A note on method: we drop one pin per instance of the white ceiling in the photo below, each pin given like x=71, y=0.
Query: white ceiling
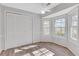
x=61, y=12
x=32, y=7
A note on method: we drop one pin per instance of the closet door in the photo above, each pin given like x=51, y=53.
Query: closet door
x=18, y=30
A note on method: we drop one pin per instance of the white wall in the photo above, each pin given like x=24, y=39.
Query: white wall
x=36, y=28
x=0, y=29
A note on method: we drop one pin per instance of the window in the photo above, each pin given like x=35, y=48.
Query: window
x=74, y=27
x=60, y=27
x=46, y=26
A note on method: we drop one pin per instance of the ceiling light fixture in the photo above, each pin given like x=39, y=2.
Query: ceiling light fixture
x=43, y=12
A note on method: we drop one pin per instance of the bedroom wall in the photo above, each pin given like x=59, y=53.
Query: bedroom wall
x=35, y=24
x=0, y=29
x=36, y=28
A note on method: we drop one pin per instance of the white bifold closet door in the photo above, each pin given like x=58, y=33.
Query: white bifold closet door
x=18, y=30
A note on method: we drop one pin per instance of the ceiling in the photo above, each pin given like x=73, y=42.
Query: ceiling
x=32, y=7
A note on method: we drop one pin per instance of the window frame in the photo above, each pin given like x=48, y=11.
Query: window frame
x=73, y=27
x=60, y=17
x=48, y=29
x=72, y=13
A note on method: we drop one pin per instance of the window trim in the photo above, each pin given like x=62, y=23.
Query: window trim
x=73, y=26
x=53, y=25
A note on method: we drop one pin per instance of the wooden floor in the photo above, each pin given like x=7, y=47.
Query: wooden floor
x=38, y=49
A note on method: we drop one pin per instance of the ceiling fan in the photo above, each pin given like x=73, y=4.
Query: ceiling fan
x=48, y=4
x=45, y=5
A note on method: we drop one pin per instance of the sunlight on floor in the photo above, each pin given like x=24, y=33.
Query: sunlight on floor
x=17, y=50
x=43, y=52
x=28, y=47
x=37, y=53
x=28, y=54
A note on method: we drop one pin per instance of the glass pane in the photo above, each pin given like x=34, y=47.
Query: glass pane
x=74, y=27
x=60, y=26
x=46, y=22
x=74, y=32
x=59, y=31
x=75, y=20
x=46, y=31
x=46, y=27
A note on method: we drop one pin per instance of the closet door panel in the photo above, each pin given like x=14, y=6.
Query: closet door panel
x=19, y=30
x=23, y=29
x=10, y=30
